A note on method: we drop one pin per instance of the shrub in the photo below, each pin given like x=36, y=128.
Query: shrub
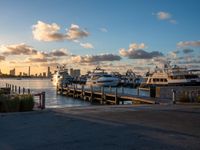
x=16, y=103
x=26, y=102
x=9, y=104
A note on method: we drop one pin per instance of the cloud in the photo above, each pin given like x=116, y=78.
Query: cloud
x=47, y=32
x=2, y=58
x=188, y=43
x=59, y=53
x=135, y=51
x=75, y=32
x=50, y=32
x=161, y=15
x=87, y=45
x=95, y=58
x=103, y=30
x=186, y=51
x=37, y=60
x=17, y=49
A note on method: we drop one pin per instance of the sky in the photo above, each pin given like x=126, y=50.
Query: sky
x=113, y=34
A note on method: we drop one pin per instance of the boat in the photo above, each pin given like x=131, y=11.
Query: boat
x=61, y=77
x=129, y=79
x=98, y=77
x=171, y=76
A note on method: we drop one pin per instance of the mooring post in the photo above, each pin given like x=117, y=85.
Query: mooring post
x=19, y=90
x=138, y=91
x=12, y=88
x=91, y=96
x=102, y=94
x=82, y=90
x=43, y=100
x=23, y=90
x=116, y=98
x=173, y=96
x=29, y=92
x=15, y=89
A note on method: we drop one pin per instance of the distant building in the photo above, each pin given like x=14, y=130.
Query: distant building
x=44, y=74
x=12, y=72
x=25, y=74
x=0, y=72
x=48, y=72
x=20, y=74
x=75, y=72
x=29, y=71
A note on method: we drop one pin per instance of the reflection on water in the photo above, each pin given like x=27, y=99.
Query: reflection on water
x=39, y=85
x=52, y=99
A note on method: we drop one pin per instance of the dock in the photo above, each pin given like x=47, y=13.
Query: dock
x=103, y=96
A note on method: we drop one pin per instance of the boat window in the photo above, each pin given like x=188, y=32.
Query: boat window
x=161, y=80
x=154, y=80
x=107, y=75
x=165, y=80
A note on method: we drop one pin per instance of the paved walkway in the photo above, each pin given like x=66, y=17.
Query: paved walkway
x=103, y=128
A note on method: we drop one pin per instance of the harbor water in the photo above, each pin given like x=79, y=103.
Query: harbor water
x=53, y=100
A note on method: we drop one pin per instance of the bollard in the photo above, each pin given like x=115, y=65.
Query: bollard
x=173, y=96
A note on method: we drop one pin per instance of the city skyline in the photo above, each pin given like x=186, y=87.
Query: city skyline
x=116, y=35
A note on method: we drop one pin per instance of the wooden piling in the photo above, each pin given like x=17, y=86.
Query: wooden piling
x=116, y=98
x=19, y=90
x=102, y=95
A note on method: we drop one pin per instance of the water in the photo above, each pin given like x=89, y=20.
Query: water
x=39, y=85
x=53, y=100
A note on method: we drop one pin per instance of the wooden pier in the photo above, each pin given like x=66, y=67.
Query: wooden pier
x=103, y=96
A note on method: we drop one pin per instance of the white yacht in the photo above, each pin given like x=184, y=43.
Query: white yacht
x=171, y=75
x=100, y=78
x=61, y=77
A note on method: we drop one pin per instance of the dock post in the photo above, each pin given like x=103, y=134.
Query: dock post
x=173, y=96
x=91, y=96
x=19, y=90
x=138, y=91
x=82, y=91
x=102, y=95
x=43, y=101
x=15, y=89
x=116, y=98
x=74, y=91
x=12, y=88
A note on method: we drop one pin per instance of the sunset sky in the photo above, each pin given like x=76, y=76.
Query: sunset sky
x=114, y=34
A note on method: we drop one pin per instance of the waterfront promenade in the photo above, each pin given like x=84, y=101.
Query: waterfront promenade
x=119, y=127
